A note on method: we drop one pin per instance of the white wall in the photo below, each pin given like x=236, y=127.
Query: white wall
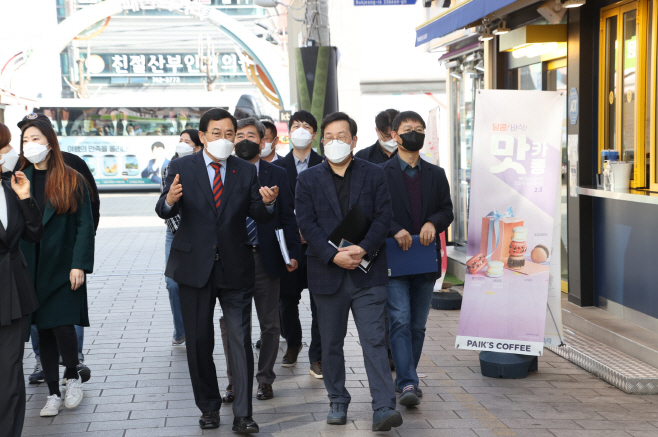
x=376, y=43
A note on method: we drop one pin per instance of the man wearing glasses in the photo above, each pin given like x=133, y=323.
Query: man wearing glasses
x=210, y=260
x=421, y=206
x=324, y=196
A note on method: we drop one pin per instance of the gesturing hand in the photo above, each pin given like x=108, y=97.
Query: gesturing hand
x=427, y=233
x=21, y=185
x=404, y=239
x=269, y=194
x=77, y=278
x=175, y=191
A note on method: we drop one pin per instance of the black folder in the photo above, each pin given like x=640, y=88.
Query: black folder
x=352, y=230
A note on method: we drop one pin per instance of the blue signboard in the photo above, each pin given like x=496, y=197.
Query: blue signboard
x=383, y=2
x=573, y=106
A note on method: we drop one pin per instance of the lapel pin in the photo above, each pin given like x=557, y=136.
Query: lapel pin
x=233, y=171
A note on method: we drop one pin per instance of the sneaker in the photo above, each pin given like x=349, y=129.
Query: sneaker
x=37, y=376
x=180, y=342
x=229, y=395
x=419, y=392
x=409, y=396
x=74, y=393
x=290, y=358
x=316, y=369
x=54, y=405
x=384, y=419
x=337, y=414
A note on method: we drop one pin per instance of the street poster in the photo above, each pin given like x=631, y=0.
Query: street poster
x=515, y=169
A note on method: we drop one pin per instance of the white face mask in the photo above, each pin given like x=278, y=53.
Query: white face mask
x=267, y=150
x=184, y=149
x=220, y=149
x=390, y=145
x=336, y=151
x=9, y=160
x=301, y=138
x=35, y=152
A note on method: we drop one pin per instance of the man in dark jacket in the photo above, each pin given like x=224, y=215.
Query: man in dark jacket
x=420, y=195
x=385, y=147
x=324, y=196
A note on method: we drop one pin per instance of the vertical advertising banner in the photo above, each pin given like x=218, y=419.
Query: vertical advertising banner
x=515, y=170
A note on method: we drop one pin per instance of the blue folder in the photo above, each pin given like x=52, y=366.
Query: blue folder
x=418, y=259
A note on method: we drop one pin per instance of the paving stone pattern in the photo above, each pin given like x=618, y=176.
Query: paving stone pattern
x=140, y=384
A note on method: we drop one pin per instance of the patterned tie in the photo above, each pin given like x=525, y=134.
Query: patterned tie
x=251, y=230
x=217, y=186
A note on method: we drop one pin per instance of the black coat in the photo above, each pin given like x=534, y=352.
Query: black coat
x=288, y=163
x=203, y=231
x=374, y=154
x=319, y=212
x=284, y=218
x=17, y=296
x=437, y=205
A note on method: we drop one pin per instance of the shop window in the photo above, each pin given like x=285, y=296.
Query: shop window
x=627, y=58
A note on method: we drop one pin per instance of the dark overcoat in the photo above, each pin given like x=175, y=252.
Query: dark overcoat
x=67, y=243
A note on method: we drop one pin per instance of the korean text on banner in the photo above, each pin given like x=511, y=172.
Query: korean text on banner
x=515, y=171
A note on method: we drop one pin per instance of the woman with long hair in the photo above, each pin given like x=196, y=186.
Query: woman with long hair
x=19, y=218
x=59, y=262
x=189, y=144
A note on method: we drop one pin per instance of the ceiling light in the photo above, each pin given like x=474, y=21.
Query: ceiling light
x=455, y=74
x=573, y=3
x=452, y=64
x=486, y=35
x=479, y=66
x=470, y=71
x=502, y=29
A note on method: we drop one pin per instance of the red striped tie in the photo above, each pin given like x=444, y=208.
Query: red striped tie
x=217, y=186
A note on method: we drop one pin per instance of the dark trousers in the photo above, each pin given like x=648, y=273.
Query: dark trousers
x=266, y=298
x=53, y=343
x=198, y=309
x=12, y=383
x=292, y=285
x=367, y=305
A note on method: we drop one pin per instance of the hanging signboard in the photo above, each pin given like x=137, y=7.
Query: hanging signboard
x=515, y=171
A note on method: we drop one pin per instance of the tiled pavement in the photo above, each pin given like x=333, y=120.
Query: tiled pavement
x=140, y=385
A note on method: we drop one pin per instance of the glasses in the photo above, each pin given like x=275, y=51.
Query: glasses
x=343, y=138
x=407, y=129
x=219, y=134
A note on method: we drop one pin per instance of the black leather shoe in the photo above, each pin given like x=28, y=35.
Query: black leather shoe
x=245, y=425
x=229, y=395
x=265, y=391
x=209, y=420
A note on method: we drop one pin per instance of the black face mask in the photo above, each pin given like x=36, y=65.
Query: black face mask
x=413, y=141
x=247, y=150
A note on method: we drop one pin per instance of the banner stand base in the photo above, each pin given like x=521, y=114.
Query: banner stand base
x=447, y=300
x=507, y=366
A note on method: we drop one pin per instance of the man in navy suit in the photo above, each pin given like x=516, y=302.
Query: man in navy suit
x=267, y=255
x=211, y=258
x=324, y=196
x=421, y=206
x=303, y=129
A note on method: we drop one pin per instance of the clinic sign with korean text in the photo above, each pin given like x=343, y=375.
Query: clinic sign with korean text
x=514, y=180
x=136, y=64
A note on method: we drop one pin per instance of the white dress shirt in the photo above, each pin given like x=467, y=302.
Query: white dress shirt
x=300, y=164
x=3, y=207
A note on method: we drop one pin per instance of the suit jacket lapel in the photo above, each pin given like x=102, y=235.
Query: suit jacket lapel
x=356, y=182
x=426, y=184
x=48, y=213
x=229, y=182
x=291, y=169
x=398, y=183
x=314, y=159
x=327, y=183
x=201, y=173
